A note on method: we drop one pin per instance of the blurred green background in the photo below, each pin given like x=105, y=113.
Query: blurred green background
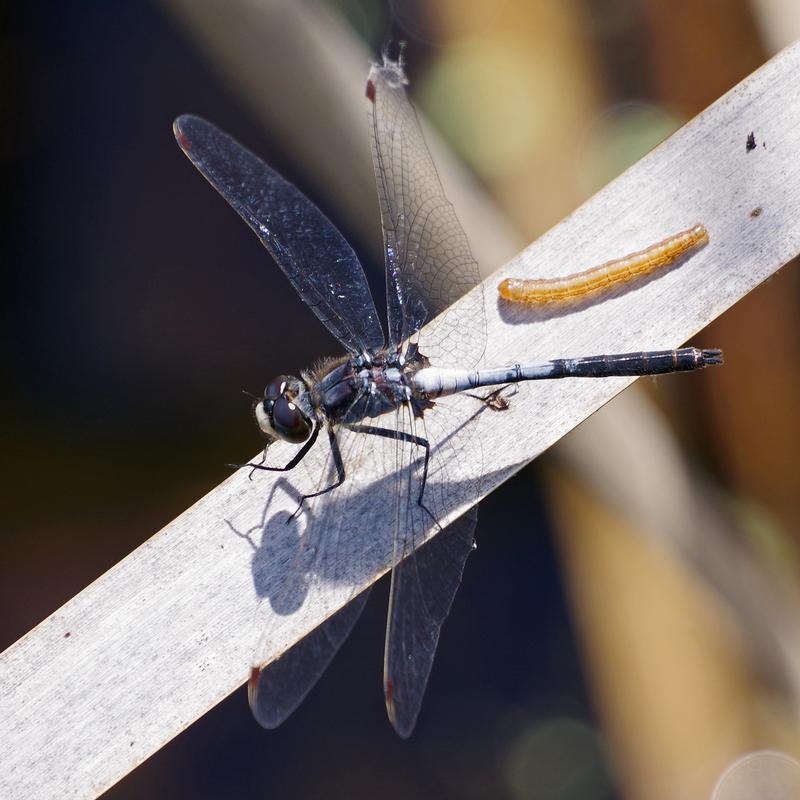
x=580, y=660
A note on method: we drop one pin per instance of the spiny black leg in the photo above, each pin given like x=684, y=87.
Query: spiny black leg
x=299, y=456
x=340, y=473
x=402, y=436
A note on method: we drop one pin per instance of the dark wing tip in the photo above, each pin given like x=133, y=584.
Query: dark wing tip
x=388, y=690
x=252, y=685
x=402, y=727
x=179, y=129
x=185, y=128
x=265, y=718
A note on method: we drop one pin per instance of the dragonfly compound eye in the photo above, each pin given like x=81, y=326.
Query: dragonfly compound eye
x=276, y=387
x=289, y=422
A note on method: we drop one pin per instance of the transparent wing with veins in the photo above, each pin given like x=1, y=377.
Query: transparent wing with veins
x=275, y=691
x=422, y=592
x=305, y=244
x=429, y=264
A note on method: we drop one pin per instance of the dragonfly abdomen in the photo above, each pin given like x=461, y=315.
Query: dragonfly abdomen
x=436, y=382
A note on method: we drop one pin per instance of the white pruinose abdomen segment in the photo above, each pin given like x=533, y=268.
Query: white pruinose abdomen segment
x=439, y=381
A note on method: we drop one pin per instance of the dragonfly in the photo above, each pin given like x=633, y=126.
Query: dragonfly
x=389, y=388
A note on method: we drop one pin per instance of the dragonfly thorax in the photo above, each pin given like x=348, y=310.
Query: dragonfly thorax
x=282, y=413
x=350, y=389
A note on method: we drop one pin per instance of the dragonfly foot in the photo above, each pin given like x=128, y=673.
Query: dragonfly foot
x=495, y=400
x=254, y=467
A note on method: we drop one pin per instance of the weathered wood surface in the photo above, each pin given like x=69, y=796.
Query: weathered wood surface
x=170, y=631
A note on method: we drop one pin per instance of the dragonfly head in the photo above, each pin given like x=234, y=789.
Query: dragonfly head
x=280, y=413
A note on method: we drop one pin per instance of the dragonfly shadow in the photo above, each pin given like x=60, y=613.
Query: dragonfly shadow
x=346, y=540
x=284, y=545
x=514, y=313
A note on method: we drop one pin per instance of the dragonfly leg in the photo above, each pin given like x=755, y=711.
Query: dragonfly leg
x=299, y=456
x=402, y=436
x=340, y=473
x=260, y=463
x=494, y=400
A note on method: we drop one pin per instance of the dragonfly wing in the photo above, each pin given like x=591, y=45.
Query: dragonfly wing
x=305, y=244
x=276, y=690
x=423, y=588
x=429, y=264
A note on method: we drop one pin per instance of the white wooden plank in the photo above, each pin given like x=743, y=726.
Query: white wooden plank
x=169, y=631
